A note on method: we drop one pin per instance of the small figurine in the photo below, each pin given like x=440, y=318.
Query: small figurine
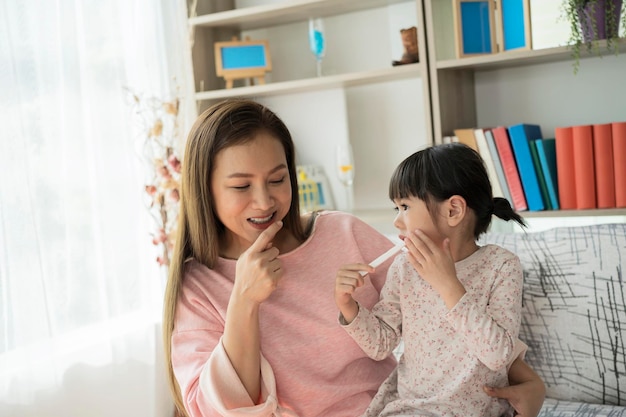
x=409, y=41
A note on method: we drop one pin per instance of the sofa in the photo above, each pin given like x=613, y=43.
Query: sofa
x=574, y=315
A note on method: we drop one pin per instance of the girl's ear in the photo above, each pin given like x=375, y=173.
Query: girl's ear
x=456, y=207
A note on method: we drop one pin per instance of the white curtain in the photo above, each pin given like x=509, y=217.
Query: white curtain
x=80, y=291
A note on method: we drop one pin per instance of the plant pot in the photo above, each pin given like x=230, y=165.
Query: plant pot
x=595, y=24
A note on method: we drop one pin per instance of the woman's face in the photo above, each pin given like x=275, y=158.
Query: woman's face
x=251, y=190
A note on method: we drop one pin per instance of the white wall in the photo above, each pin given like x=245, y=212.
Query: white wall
x=387, y=124
x=552, y=95
x=317, y=122
x=384, y=122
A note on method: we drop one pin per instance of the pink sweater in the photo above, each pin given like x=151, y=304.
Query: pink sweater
x=310, y=365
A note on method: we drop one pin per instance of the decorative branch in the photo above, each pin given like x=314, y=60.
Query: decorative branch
x=159, y=136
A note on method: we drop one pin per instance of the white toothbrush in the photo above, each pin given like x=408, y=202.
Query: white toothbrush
x=382, y=258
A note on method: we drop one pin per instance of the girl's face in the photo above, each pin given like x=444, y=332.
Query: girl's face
x=413, y=214
x=251, y=190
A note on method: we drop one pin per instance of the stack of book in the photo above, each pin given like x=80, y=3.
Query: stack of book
x=579, y=167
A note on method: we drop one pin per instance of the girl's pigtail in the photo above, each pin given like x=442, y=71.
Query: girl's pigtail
x=502, y=209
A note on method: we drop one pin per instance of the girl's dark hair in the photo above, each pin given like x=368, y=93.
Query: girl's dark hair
x=437, y=173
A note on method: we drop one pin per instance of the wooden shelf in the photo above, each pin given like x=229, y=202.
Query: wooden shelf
x=287, y=12
x=321, y=83
x=454, y=89
x=519, y=58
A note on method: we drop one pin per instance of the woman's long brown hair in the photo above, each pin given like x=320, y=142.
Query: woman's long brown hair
x=198, y=234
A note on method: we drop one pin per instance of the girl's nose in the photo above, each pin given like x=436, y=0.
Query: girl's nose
x=397, y=222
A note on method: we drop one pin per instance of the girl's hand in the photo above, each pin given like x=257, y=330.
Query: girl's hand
x=258, y=269
x=435, y=265
x=349, y=278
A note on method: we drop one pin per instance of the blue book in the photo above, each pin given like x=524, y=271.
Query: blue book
x=520, y=136
x=546, y=149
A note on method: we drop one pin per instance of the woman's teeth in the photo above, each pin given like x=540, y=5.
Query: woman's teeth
x=261, y=220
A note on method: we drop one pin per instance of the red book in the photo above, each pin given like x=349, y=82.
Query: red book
x=507, y=159
x=584, y=170
x=619, y=162
x=603, y=160
x=565, y=167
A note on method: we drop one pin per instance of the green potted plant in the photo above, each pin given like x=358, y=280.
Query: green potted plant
x=592, y=21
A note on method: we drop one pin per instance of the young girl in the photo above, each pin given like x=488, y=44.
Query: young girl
x=455, y=304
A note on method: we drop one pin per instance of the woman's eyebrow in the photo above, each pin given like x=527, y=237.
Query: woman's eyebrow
x=247, y=175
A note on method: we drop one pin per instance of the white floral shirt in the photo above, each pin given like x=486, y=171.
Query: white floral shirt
x=449, y=355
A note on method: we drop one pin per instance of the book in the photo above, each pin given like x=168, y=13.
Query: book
x=603, y=162
x=546, y=149
x=618, y=132
x=505, y=152
x=520, y=136
x=491, y=143
x=584, y=171
x=543, y=188
x=466, y=136
x=564, y=141
x=485, y=153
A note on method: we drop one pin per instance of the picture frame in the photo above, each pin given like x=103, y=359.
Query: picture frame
x=474, y=27
x=237, y=59
x=514, y=25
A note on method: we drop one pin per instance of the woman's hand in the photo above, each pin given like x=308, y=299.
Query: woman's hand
x=258, y=269
x=348, y=279
x=526, y=392
x=256, y=277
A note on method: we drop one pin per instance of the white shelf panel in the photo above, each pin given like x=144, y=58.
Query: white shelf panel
x=574, y=213
x=518, y=58
x=287, y=12
x=313, y=84
x=382, y=219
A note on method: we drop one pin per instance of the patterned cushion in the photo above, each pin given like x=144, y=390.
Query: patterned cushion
x=574, y=311
x=556, y=408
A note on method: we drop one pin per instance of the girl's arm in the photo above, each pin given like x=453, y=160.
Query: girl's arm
x=526, y=392
x=490, y=332
x=377, y=332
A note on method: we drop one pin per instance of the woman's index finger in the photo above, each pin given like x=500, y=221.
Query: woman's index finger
x=265, y=238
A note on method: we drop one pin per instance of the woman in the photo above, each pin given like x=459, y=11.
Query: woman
x=250, y=324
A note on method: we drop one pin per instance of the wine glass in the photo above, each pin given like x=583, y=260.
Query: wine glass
x=345, y=170
x=317, y=41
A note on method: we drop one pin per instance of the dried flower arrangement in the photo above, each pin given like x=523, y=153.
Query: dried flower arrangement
x=159, y=134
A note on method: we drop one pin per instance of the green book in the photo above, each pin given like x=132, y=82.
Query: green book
x=541, y=178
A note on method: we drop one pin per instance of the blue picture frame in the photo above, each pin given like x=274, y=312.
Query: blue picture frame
x=515, y=21
x=474, y=27
x=242, y=59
